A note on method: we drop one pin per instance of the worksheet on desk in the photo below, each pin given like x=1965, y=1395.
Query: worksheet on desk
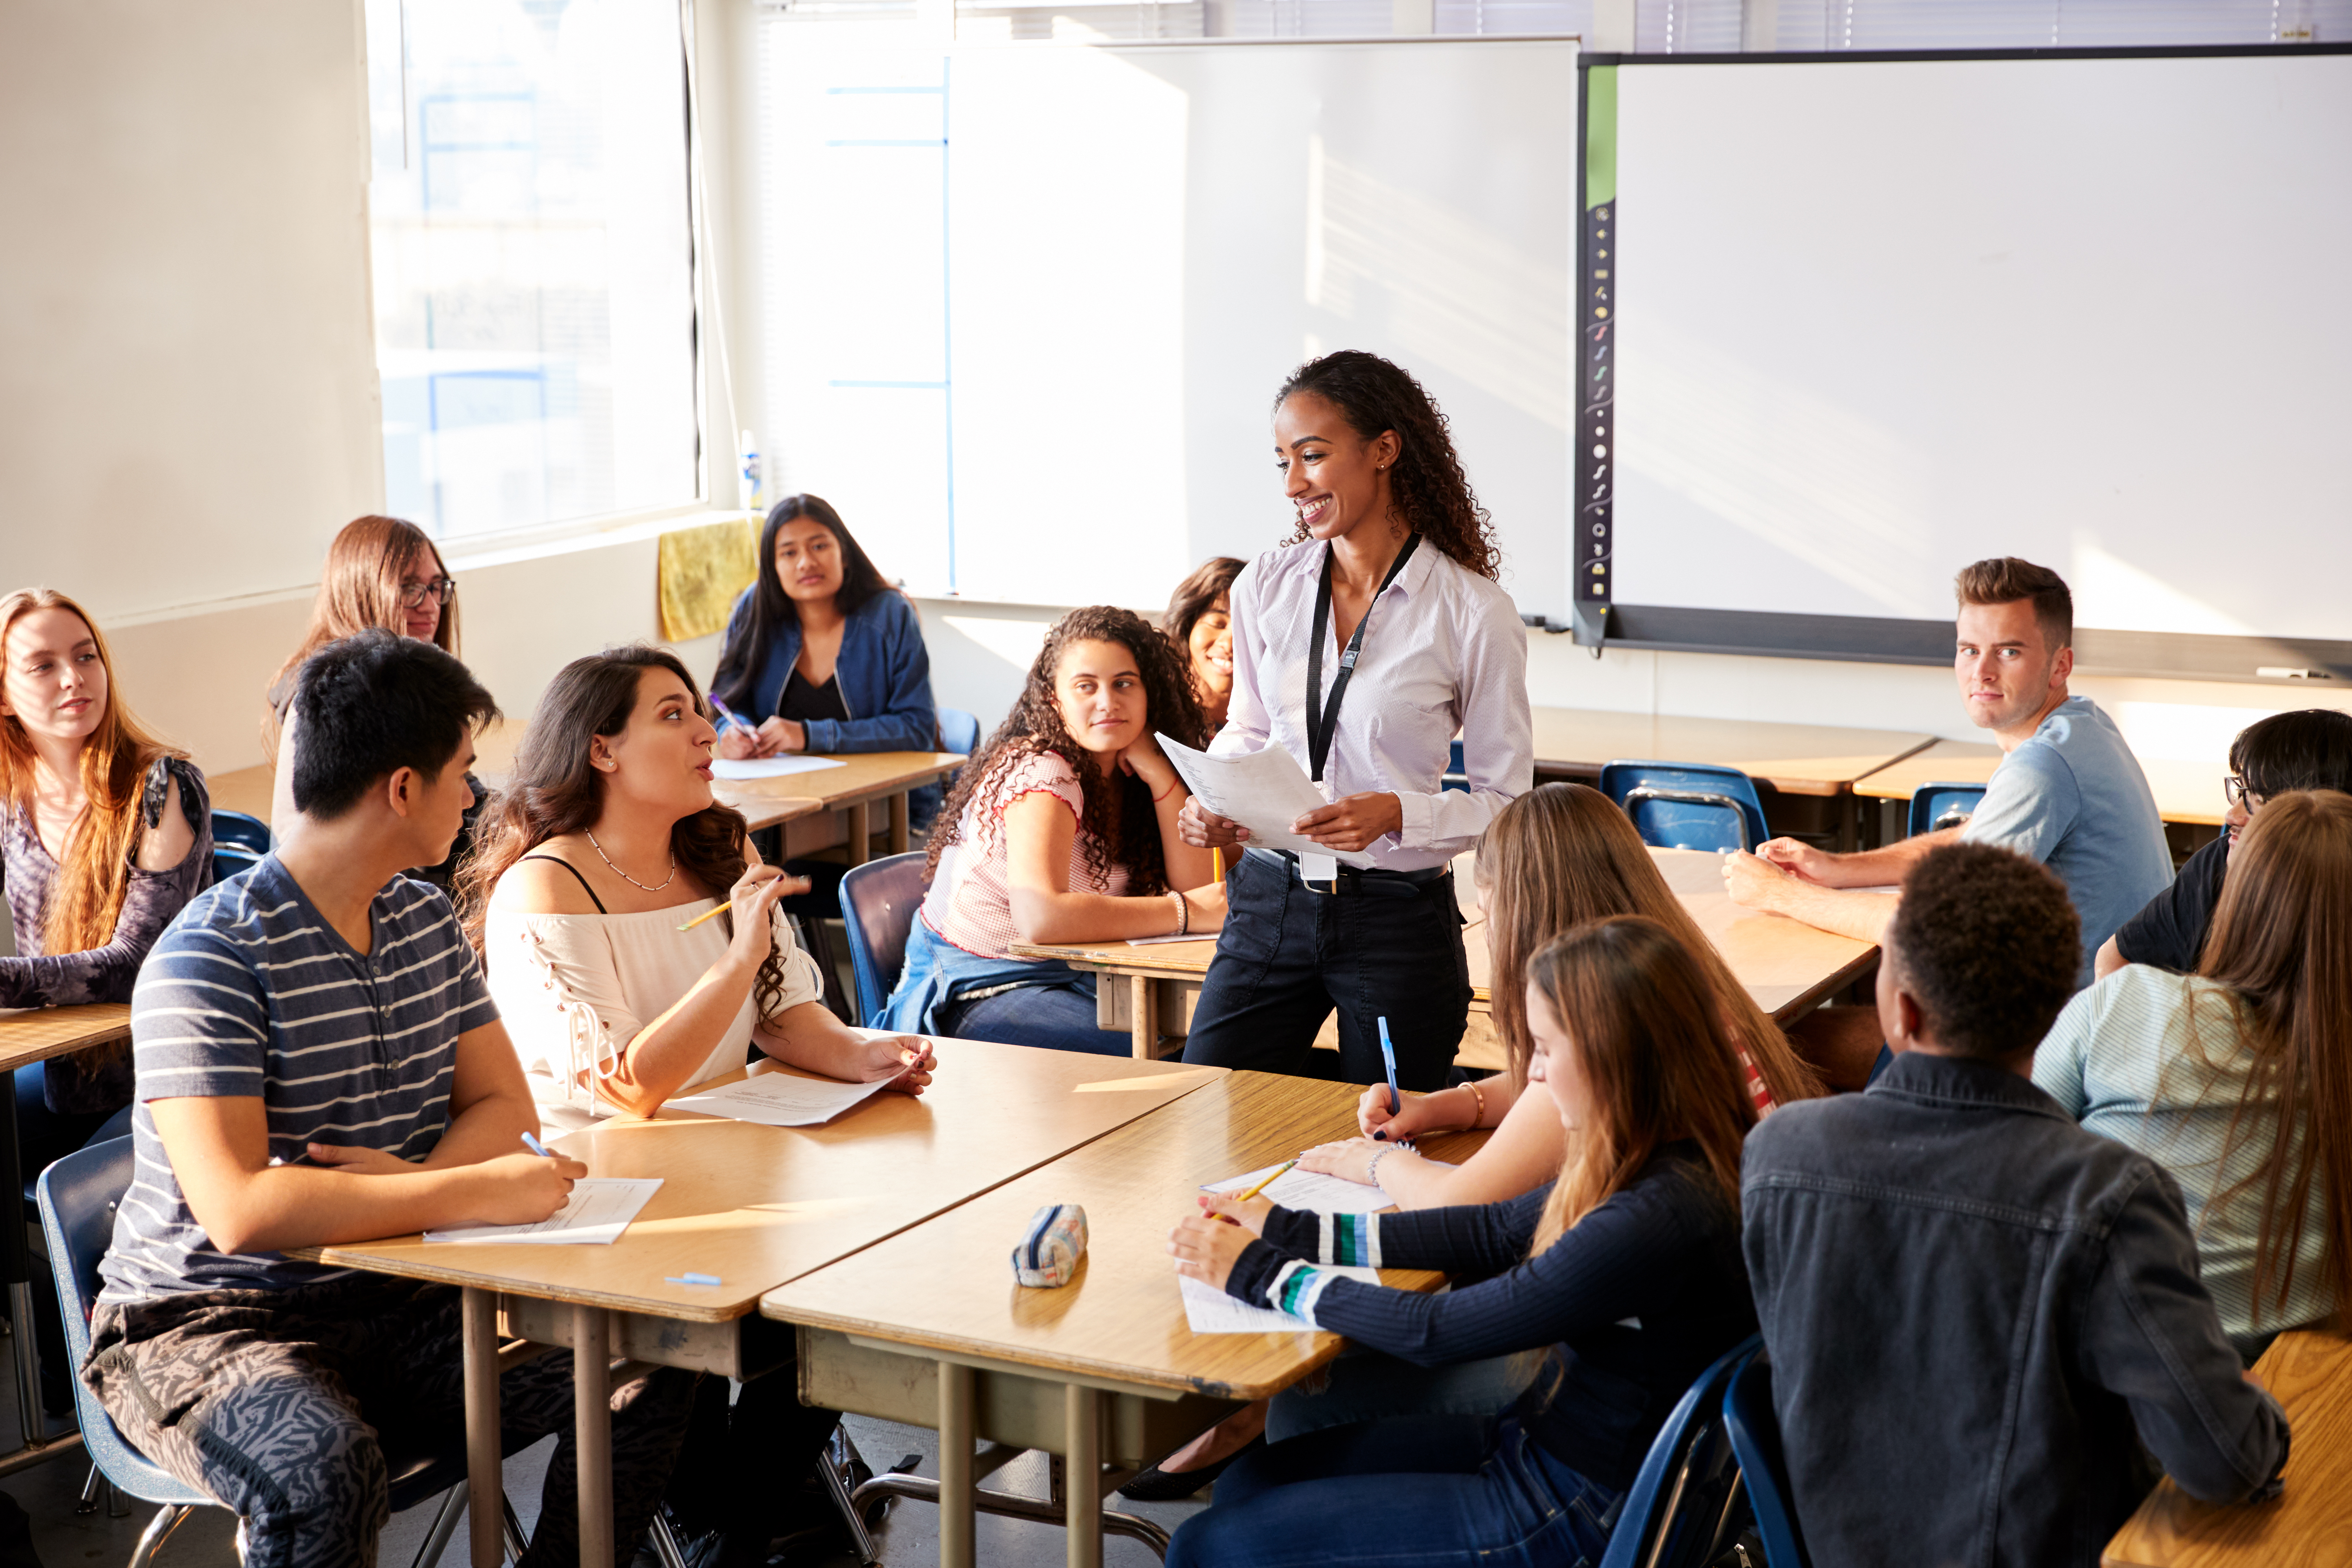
x=1308, y=1190
x=779, y=1099
x=599, y=1209
x=1209, y=1311
x=767, y=767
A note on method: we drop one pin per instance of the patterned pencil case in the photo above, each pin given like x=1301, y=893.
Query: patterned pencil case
x=1049, y=1251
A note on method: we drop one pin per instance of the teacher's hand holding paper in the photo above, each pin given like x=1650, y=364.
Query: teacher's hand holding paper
x=1353, y=821
x=1204, y=830
x=1261, y=797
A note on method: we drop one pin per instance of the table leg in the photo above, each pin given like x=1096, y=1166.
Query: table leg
x=485, y=1493
x=1081, y=1475
x=592, y=1420
x=1143, y=1015
x=901, y=827
x=860, y=833
x=17, y=1270
x=957, y=1545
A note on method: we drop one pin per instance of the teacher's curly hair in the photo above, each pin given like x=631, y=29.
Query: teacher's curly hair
x=1428, y=485
x=1119, y=824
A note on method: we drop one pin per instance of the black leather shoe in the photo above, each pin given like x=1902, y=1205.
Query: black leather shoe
x=1155, y=1485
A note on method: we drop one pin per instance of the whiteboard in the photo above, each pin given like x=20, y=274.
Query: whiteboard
x=1026, y=306
x=1877, y=320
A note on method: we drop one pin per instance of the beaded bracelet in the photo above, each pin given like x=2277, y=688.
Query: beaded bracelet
x=1184, y=914
x=1479, y=1120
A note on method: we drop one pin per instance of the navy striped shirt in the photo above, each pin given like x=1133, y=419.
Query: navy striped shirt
x=251, y=992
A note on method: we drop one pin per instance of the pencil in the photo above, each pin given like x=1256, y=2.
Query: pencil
x=1271, y=1177
x=705, y=915
x=1217, y=864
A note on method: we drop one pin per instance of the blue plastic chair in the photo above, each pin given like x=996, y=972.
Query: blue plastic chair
x=1756, y=1438
x=78, y=1198
x=959, y=731
x=1940, y=805
x=229, y=860
x=242, y=828
x=878, y=900
x=1684, y=1510
x=1688, y=805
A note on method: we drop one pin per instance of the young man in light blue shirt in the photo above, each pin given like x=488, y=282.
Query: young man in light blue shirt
x=2068, y=793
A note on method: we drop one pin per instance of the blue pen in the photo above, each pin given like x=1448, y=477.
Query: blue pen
x=538, y=1148
x=1388, y=1056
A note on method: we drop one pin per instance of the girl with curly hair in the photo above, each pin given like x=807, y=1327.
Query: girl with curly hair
x=1384, y=596
x=1062, y=828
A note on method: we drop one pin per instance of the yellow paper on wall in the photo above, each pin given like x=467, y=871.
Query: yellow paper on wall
x=701, y=571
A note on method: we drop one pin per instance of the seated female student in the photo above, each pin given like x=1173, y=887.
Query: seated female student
x=822, y=655
x=1201, y=618
x=1626, y=1271
x=2202, y=1072
x=593, y=861
x=105, y=834
x=1552, y=860
x=380, y=571
x=603, y=847
x=1061, y=828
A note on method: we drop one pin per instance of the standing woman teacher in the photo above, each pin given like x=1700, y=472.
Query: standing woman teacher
x=1363, y=647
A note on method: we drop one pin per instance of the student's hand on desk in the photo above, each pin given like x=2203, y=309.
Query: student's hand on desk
x=523, y=1189
x=735, y=744
x=359, y=1161
x=1206, y=1247
x=1753, y=883
x=1353, y=821
x=1349, y=1159
x=1204, y=830
x=777, y=736
x=1410, y=1120
x=1208, y=906
x=1798, y=859
x=906, y=1059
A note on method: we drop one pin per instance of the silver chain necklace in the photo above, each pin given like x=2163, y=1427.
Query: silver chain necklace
x=632, y=881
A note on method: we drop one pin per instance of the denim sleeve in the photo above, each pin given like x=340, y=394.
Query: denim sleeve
x=2030, y=804
x=906, y=721
x=2151, y=1335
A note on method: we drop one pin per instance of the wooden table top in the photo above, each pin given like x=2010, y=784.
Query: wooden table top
x=869, y=776
x=2310, y=1524
x=1800, y=759
x=760, y=1205
x=31, y=1035
x=1787, y=965
x=2185, y=791
x=948, y=1285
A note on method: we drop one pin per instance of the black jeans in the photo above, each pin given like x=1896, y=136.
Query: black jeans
x=1288, y=956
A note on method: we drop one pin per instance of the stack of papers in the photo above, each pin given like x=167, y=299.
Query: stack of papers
x=767, y=767
x=781, y=1099
x=1208, y=1311
x=1266, y=791
x=599, y=1209
x=1310, y=1190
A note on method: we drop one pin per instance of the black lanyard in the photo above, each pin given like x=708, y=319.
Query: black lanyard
x=1321, y=726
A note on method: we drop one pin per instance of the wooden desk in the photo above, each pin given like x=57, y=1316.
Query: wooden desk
x=1789, y=967
x=28, y=1036
x=2310, y=1525
x=1797, y=759
x=757, y=1206
x=930, y=1328
x=2186, y=791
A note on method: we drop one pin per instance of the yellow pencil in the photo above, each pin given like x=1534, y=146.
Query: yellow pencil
x=1217, y=864
x=705, y=915
x=1271, y=1178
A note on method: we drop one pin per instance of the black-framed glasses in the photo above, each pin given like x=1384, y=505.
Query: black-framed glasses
x=440, y=589
x=2235, y=790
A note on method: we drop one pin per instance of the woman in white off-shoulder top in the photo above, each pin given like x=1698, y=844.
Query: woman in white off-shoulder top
x=605, y=845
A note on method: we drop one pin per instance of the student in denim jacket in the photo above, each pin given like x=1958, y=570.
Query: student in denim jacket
x=1977, y=1313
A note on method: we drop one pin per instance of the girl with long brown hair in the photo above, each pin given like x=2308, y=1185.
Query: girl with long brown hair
x=384, y=572
x=1556, y=856
x=1625, y=1270
x=2238, y=1080
x=1200, y=620
x=1062, y=828
x=603, y=847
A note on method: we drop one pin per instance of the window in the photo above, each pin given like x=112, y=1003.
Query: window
x=533, y=268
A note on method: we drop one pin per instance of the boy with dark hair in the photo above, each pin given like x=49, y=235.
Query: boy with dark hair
x=318, y=1062
x=1976, y=1311
x=2068, y=793
x=2307, y=750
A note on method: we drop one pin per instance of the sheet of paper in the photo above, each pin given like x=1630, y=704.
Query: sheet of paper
x=767, y=767
x=1209, y=1311
x=1308, y=1190
x=779, y=1099
x=1266, y=791
x=1156, y=941
x=599, y=1209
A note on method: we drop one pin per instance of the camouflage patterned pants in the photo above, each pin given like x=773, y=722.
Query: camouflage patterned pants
x=272, y=1402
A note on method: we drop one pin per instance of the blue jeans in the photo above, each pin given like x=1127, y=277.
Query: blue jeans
x=1397, y=1494
x=1057, y=1018
x=1288, y=956
x=1366, y=1385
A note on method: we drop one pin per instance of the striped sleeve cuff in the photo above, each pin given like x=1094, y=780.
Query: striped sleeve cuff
x=1297, y=1289
x=1349, y=1239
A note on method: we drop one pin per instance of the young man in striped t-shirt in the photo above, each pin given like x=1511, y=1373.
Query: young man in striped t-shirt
x=318, y=1062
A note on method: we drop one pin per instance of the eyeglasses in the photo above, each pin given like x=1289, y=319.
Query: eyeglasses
x=441, y=590
x=2235, y=790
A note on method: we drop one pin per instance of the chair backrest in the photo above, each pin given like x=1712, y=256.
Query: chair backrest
x=1940, y=805
x=1682, y=1510
x=78, y=1198
x=242, y=828
x=1688, y=805
x=959, y=731
x=229, y=860
x=878, y=900
x=1756, y=1438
